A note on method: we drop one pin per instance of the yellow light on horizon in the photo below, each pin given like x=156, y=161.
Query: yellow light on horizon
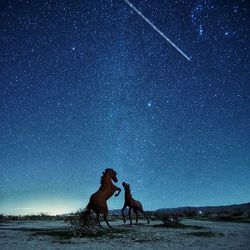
x=47, y=206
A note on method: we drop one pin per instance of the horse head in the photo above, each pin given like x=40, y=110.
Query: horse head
x=126, y=185
x=111, y=173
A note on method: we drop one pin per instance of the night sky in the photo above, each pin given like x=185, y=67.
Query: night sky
x=87, y=85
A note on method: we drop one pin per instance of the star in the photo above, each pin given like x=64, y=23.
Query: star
x=91, y=85
x=201, y=30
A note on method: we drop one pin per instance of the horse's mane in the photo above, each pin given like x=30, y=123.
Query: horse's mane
x=128, y=190
x=104, y=174
x=102, y=178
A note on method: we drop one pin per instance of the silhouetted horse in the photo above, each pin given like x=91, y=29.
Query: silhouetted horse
x=132, y=204
x=97, y=201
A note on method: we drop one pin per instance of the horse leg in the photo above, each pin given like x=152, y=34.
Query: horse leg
x=146, y=217
x=136, y=212
x=142, y=211
x=123, y=216
x=98, y=219
x=105, y=215
x=129, y=215
x=119, y=191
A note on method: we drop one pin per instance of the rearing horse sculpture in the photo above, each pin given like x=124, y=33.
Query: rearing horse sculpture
x=132, y=204
x=97, y=201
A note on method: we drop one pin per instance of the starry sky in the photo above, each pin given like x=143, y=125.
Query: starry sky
x=87, y=85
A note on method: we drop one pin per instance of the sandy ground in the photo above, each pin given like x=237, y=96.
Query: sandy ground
x=57, y=235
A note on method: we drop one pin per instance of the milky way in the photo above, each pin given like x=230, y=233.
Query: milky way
x=87, y=85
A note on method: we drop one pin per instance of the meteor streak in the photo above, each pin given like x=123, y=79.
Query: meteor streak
x=156, y=29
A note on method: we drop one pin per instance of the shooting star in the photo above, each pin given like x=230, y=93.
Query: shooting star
x=156, y=29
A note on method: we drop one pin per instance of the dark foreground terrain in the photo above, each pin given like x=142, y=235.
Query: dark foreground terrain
x=190, y=234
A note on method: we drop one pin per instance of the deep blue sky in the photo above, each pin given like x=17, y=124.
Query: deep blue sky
x=87, y=85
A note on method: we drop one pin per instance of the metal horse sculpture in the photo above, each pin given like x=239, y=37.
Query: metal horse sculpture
x=132, y=204
x=97, y=202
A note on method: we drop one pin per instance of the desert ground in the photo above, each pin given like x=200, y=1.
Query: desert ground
x=193, y=234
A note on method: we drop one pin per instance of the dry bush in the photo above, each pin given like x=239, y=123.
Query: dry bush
x=170, y=219
x=2, y=218
x=190, y=213
x=82, y=222
x=238, y=212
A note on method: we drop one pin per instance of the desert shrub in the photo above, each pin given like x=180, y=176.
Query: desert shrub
x=152, y=217
x=13, y=218
x=82, y=222
x=206, y=214
x=190, y=213
x=170, y=219
x=2, y=218
x=238, y=213
x=166, y=218
x=177, y=218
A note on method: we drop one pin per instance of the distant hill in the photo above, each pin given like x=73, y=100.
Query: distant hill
x=115, y=211
x=245, y=208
